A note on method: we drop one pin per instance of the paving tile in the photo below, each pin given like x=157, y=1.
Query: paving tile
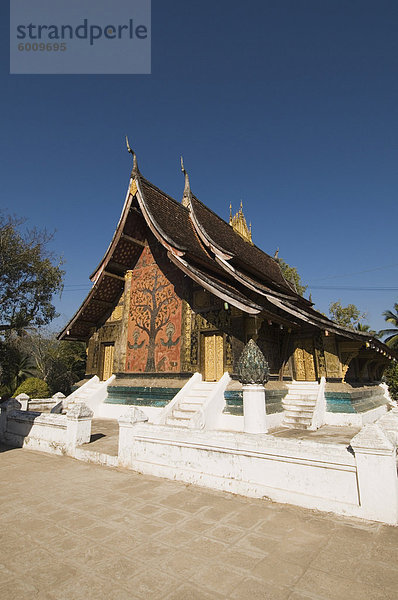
x=151, y=584
x=218, y=578
x=239, y=558
x=330, y=587
x=225, y=533
x=257, y=589
x=258, y=543
x=17, y=590
x=191, y=592
x=278, y=573
x=142, y=537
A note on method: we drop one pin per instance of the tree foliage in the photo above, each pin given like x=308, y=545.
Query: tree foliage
x=391, y=334
x=348, y=316
x=60, y=364
x=15, y=366
x=391, y=377
x=29, y=276
x=291, y=275
x=34, y=388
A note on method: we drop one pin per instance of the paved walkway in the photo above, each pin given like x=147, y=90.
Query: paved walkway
x=75, y=531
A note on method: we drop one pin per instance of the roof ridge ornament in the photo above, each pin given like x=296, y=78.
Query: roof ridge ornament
x=239, y=224
x=135, y=170
x=187, y=195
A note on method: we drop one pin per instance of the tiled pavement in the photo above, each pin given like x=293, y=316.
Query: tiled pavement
x=72, y=531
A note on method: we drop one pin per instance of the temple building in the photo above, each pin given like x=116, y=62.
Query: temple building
x=179, y=291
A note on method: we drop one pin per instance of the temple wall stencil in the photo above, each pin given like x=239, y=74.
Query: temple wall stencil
x=154, y=329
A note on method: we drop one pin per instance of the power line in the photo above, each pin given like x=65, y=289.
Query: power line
x=381, y=268
x=354, y=288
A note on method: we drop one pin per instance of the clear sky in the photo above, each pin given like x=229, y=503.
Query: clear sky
x=290, y=106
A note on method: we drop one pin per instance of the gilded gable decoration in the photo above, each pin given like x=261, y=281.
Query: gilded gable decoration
x=239, y=224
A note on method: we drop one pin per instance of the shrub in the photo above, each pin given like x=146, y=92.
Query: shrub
x=391, y=377
x=34, y=388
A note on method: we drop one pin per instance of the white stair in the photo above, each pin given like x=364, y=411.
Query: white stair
x=299, y=404
x=190, y=404
x=93, y=393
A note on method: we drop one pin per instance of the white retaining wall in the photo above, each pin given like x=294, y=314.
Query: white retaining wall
x=360, y=482
x=54, y=433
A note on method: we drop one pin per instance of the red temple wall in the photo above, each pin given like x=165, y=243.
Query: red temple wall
x=154, y=328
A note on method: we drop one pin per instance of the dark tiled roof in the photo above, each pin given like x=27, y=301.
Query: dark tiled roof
x=221, y=235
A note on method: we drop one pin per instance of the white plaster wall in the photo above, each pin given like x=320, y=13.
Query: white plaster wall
x=114, y=411
x=300, y=472
x=355, y=419
x=48, y=427
x=236, y=422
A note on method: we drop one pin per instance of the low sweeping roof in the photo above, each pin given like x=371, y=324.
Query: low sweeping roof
x=205, y=248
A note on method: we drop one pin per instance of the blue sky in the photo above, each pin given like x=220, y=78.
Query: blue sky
x=290, y=106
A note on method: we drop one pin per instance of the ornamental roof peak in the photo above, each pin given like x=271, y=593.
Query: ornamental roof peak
x=135, y=170
x=187, y=195
x=239, y=224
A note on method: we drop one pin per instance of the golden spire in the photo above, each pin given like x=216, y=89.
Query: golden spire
x=238, y=224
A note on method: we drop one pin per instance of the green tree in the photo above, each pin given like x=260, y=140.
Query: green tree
x=391, y=335
x=391, y=377
x=291, y=275
x=29, y=276
x=15, y=366
x=34, y=388
x=59, y=363
x=348, y=316
x=366, y=328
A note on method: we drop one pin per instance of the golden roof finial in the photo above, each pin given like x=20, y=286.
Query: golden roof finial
x=238, y=224
x=230, y=213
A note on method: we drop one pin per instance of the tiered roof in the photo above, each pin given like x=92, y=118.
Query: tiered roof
x=205, y=248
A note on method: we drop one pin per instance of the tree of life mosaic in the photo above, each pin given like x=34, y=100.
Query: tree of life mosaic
x=154, y=331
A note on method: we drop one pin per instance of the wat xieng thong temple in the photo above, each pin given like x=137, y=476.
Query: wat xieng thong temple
x=180, y=291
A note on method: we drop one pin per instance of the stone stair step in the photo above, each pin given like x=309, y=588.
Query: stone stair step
x=188, y=406
x=177, y=422
x=180, y=413
x=300, y=420
x=294, y=426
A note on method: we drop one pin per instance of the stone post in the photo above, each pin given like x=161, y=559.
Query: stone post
x=7, y=407
x=59, y=398
x=126, y=422
x=78, y=426
x=24, y=400
x=375, y=456
x=253, y=373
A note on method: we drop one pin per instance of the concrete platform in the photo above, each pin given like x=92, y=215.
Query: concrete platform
x=104, y=436
x=328, y=434
x=72, y=531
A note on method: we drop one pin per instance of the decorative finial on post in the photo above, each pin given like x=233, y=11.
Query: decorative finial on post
x=135, y=163
x=230, y=213
x=253, y=373
x=187, y=195
x=252, y=366
x=276, y=254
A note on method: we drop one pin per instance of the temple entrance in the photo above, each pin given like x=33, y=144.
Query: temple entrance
x=304, y=360
x=108, y=351
x=212, y=356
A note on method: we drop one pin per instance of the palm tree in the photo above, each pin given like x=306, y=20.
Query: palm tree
x=364, y=327
x=392, y=334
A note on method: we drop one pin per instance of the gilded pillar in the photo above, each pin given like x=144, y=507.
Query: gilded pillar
x=121, y=342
